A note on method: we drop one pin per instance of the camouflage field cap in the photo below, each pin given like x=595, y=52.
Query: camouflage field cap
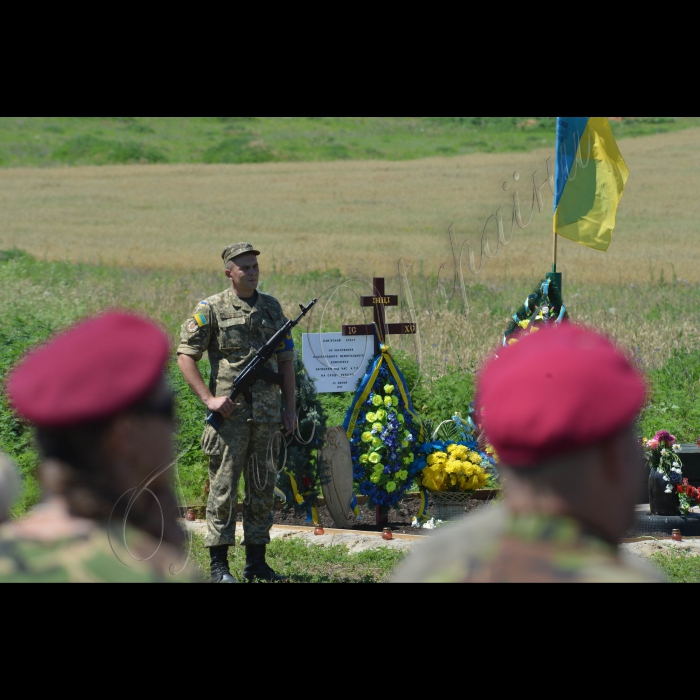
x=237, y=249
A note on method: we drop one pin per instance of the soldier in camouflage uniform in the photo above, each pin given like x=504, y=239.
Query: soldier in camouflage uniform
x=104, y=418
x=560, y=409
x=231, y=327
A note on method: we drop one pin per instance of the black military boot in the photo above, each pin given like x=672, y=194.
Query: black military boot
x=220, y=572
x=257, y=569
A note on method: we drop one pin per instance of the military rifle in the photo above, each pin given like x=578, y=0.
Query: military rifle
x=256, y=370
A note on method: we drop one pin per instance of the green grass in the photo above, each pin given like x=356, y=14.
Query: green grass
x=675, y=393
x=50, y=141
x=40, y=298
x=678, y=566
x=303, y=563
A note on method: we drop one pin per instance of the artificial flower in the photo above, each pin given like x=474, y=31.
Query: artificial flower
x=653, y=444
x=391, y=487
x=374, y=458
x=371, y=417
x=364, y=459
x=381, y=415
x=366, y=437
x=389, y=389
x=378, y=427
x=378, y=401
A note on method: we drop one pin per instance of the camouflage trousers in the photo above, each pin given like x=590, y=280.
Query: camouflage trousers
x=251, y=449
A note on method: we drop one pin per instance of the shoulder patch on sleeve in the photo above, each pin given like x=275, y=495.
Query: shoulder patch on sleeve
x=201, y=320
x=204, y=303
x=287, y=344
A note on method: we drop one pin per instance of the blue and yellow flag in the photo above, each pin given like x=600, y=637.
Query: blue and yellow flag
x=591, y=175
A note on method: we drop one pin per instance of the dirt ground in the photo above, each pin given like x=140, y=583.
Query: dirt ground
x=399, y=520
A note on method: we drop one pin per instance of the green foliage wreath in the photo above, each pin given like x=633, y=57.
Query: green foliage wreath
x=542, y=308
x=302, y=454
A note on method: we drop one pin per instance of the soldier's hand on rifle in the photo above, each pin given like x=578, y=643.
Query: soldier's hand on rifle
x=290, y=422
x=222, y=405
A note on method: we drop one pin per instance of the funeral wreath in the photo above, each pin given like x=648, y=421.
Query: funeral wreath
x=383, y=444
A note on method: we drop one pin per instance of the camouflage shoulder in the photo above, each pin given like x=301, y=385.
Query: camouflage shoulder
x=95, y=558
x=270, y=302
x=448, y=555
x=269, y=299
x=217, y=300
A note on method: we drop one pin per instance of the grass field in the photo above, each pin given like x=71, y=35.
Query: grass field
x=357, y=217
x=51, y=141
x=149, y=237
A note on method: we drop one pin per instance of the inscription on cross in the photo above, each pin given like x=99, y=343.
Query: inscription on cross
x=379, y=302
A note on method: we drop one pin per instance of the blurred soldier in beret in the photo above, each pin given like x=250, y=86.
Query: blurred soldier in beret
x=9, y=487
x=560, y=409
x=231, y=327
x=103, y=414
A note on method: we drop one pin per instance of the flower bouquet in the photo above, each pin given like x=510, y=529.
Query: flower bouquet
x=688, y=496
x=454, y=468
x=666, y=475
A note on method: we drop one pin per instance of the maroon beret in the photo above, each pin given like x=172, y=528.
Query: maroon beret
x=554, y=392
x=89, y=373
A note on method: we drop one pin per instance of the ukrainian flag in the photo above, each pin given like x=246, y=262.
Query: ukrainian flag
x=591, y=175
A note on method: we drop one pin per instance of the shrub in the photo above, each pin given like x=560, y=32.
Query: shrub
x=238, y=149
x=93, y=149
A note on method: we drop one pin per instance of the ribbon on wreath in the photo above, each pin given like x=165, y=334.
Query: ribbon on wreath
x=311, y=510
x=365, y=389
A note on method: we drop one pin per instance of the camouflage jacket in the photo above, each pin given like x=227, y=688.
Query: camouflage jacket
x=231, y=331
x=50, y=546
x=495, y=547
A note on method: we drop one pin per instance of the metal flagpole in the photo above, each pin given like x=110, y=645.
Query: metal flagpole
x=555, y=276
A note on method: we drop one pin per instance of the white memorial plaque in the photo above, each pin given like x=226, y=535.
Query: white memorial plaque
x=337, y=363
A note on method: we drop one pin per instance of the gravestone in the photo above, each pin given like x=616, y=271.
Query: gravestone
x=690, y=456
x=335, y=468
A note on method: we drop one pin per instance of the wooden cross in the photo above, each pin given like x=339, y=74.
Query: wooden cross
x=379, y=303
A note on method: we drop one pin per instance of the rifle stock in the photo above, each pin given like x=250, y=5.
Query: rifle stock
x=255, y=370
